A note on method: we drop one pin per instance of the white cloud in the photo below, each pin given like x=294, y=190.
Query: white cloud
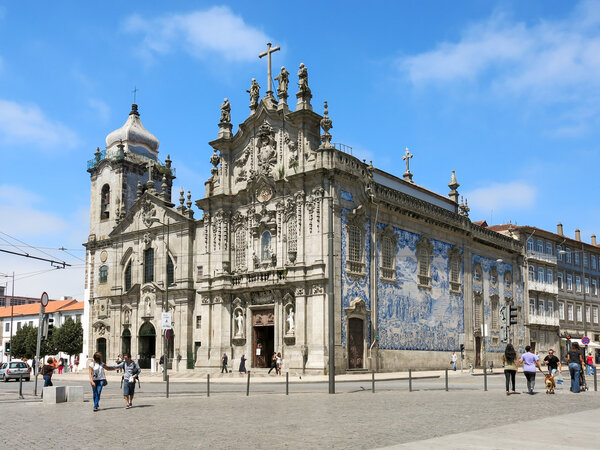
x=201, y=33
x=100, y=108
x=514, y=195
x=554, y=61
x=20, y=216
x=27, y=124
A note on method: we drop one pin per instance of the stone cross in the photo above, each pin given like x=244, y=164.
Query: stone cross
x=406, y=157
x=268, y=55
x=135, y=89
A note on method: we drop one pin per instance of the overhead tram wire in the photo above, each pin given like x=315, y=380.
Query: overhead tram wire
x=24, y=243
x=53, y=262
x=37, y=247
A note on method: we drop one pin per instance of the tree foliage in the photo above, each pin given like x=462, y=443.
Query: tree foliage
x=24, y=342
x=69, y=337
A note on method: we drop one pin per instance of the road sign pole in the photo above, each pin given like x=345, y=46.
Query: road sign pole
x=43, y=304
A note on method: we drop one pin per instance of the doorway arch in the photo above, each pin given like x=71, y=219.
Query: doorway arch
x=126, y=341
x=146, y=345
x=101, y=347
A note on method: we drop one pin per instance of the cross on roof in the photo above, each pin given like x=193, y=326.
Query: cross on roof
x=135, y=89
x=406, y=157
x=268, y=55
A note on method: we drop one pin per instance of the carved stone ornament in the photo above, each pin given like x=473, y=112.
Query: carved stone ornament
x=101, y=328
x=357, y=307
x=148, y=213
x=317, y=289
x=267, y=146
x=300, y=291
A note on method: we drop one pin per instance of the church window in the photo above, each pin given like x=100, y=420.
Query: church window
x=199, y=272
x=507, y=280
x=105, y=202
x=354, y=244
x=424, y=249
x=388, y=263
x=477, y=273
x=495, y=313
x=454, y=260
x=128, y=276
x=494, y=277
x=198, y=322
x=478, y=312
x=170, y=272
x=355, y=247
x=148, y=265
x=103, y=274
x=265, y=246
x=240, y=248
x=292, y=235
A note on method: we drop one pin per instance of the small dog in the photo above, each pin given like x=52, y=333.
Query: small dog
x=550, y=384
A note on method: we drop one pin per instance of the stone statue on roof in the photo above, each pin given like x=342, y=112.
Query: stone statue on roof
x=283, y=80
x=225, y=111
x=254, y=92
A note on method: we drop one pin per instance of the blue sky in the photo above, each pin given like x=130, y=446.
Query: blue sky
x=506, y=93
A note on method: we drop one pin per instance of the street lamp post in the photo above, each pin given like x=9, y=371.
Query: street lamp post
x=12, y=300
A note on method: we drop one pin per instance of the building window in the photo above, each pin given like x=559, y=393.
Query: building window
x=561, y=311
x=541, y=274
x=199, y=272
x=7, y=327
x=578, y=283
x=585, y=259
x=559, y=280
x=569, y=282
x=477, y=273
x=495, y=312
x=576, y=258
x=593, y=259
x=103, y=274
x=549, y=248
x=570, y=312
x=355, y=247
x=579, y=313
x=454, y=259
x=586, y=286
x=149, y=265
x=587, y=314
x=265, y=246
x=558, y=252
x=198, y=322
x=568, y=255
x=530, y=244
x=478, y=312
x=550, y=308
x=532, y=307
x=531, y=273
x=594, y=287
x=19, y=326
x=507, y=280
x=128, y=276
x=540, y=307
x=549, y=276
x=494, y=277
x=424, y=249
x=540, y=247
x=387, y=258
x=170, y=271
x=105, y=202
x=595, y=312
x=240, y=248
x=355, y=238
x=292, y=237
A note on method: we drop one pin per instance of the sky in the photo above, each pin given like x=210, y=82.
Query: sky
x=506, y=93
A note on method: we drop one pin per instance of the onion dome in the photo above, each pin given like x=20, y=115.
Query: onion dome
x=135, y=136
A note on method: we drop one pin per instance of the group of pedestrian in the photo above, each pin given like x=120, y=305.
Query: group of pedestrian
x=530, y=362
x=276, y=363
x=131, y=372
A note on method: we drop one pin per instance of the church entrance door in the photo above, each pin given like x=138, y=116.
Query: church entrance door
x=101, y=348
x=263, y=337
x=356, y=341
x=126, y=341
x=477, y=351
x=147, y=345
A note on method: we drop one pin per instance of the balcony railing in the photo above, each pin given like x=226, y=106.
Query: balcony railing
x=267, y=277
x=544, y=319
x=542, y=257
x=542, y=287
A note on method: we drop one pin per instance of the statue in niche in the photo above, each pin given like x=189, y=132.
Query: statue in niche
x=239, y=321
x=283, y=80
x=290, y=321
x=303, y=89
x=147, y=311
x=254, y=92
x=126, y=316
x=225, y=111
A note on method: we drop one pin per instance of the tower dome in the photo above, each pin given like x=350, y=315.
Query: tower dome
x=134, y=136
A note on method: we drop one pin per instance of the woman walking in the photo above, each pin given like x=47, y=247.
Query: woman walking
x=511, y=365
x=575, y=361
x=273, y=363
x=243, y=364
x=278, y=363
x=97, y=378
x=530, y=361
x=47, y=371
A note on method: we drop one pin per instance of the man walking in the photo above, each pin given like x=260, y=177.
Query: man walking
x=131, y=370
x=453, y=361
x=553, y=363
x=224, y=362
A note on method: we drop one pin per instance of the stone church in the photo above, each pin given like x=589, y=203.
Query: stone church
x=289, y=222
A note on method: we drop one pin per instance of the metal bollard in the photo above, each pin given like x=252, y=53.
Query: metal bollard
x=208, y=384
x=287, y=383
x=248, y=385
x=484, y=379
x=446, y=379
x=595, y=379
x=167, y=377
x=373, y=381
x=409, y=380
x=21, y=386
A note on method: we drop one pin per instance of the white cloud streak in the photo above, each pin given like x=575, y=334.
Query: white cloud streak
x=216, y=31
x=27, y=124
x=511, y=196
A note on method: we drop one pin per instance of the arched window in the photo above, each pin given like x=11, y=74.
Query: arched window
x=240, y=248
x=354, y=244
x=265, y=246
x=103, y=274
x=170, y=271
x=507, y=280
x=424, y=249
x=128, y=276
x=148, y=265
x=105, y=202
x=292, y=235
x=477, y=273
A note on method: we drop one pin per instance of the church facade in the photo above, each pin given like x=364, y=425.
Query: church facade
x=289, y=223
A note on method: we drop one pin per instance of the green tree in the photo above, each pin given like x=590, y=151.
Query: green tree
x=69, y=338
x=24, y=342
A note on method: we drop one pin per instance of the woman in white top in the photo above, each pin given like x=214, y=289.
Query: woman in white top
x=97, y=377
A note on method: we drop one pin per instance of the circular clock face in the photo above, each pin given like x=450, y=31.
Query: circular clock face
x=103, y=256
x=264, y=194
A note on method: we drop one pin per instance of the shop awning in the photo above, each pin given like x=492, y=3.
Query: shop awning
x=591, y=344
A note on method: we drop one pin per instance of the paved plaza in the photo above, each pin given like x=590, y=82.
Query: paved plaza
x=464, y=417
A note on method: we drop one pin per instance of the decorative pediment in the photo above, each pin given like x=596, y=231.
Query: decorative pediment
x=101, y=328
x=357, y=307
x=357, y=217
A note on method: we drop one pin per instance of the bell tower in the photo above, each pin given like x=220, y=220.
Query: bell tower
x=122, y=171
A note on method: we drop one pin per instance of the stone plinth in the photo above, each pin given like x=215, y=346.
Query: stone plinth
x=55, y=394
x=74, y=394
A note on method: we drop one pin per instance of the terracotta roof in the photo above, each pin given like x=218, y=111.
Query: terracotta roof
x=556, y=236
x=34, y=308
x=77, y=306
x=481, y=223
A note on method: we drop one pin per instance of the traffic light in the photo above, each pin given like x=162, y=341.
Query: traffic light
x=7, y=347
x=50, y=327
x=513, y=315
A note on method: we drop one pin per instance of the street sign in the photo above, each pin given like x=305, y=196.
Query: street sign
x=504, y=333
x=44, y=300
x=502, y=313
x=166, y=320
x=585, y=340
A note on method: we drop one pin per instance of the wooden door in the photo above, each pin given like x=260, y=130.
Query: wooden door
x=356, y=346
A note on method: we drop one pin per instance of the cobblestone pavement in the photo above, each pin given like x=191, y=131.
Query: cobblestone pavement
x=356, y=419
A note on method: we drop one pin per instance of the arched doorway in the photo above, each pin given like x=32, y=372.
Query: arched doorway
x=101, y=347
x=126, y=341
x=146, y=345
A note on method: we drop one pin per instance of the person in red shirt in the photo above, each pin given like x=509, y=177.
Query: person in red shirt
x=590, y=364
